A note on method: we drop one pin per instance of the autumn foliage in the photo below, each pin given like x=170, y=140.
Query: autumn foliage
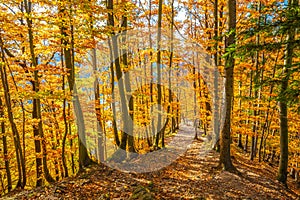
x=70, y=70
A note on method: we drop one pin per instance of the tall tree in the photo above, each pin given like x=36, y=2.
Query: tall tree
x=216, y=81
x=158, y=67
x=288, y=61
x=127, y=139
x=67, y=31
x=16, y=137
x=111, y=22
x=36, y=111
x=130, y=97
x=225, y=159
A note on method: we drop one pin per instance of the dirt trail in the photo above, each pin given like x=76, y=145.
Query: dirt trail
x=189, y=177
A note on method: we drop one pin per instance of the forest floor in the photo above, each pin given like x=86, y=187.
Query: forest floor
x=191, y=176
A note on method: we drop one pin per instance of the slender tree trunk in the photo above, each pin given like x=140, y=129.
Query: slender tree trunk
x=111, y=22
x=122, y=90
x=153, y=131
x=239, y=144
x=159, y=66
x=207, y=108
x=225, y=159
x=178, y=114
x=66, y=127
x=254, y=130
x=129, y=98
x=35, y=114
x=113, y=105
x=195, y=100
x=54, y=146
x=283, y=108
x=256, y=78
x=266, y=123
x=71, y=140
x=5, y=149
x=124, y=86
x=248, y=117
x=68, y=51
x=36, y=111
x=16, y=137
x=98, y=109
x=216, y=118
x=169, y=117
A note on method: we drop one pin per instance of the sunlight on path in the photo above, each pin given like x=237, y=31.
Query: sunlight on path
x=153, y=161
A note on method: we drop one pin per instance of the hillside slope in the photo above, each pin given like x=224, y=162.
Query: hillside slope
x=189, y=177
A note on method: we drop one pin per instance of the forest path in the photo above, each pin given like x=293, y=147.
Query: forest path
x=191, y=176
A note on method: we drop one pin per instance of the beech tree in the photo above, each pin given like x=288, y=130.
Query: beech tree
x=225, y=159
x=45, y=45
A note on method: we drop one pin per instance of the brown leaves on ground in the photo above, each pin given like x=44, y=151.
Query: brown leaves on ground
x=189, y=177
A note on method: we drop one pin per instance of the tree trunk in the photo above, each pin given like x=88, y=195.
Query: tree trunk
x=129, y=98
x=66, y=127
x=111, y=22
x=36, y=111
x=112, y=84
x=266, y=123
x=124, y=87
x=169, y=117
x=288, y=61
x=196, y=122
x=151, y=72
x=68, y=51
x=256, y=94
x=16, y=137
x=98, y=111
x=5, y=150
x=248, y=117
x=239, y=144
x=71, y=140
x=225, y=159
x=158, y=66
x=216, y=117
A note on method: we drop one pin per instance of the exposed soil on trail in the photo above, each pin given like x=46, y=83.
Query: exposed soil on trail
x=191, y=176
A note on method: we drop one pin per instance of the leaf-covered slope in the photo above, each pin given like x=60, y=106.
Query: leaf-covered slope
x=190, y=177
